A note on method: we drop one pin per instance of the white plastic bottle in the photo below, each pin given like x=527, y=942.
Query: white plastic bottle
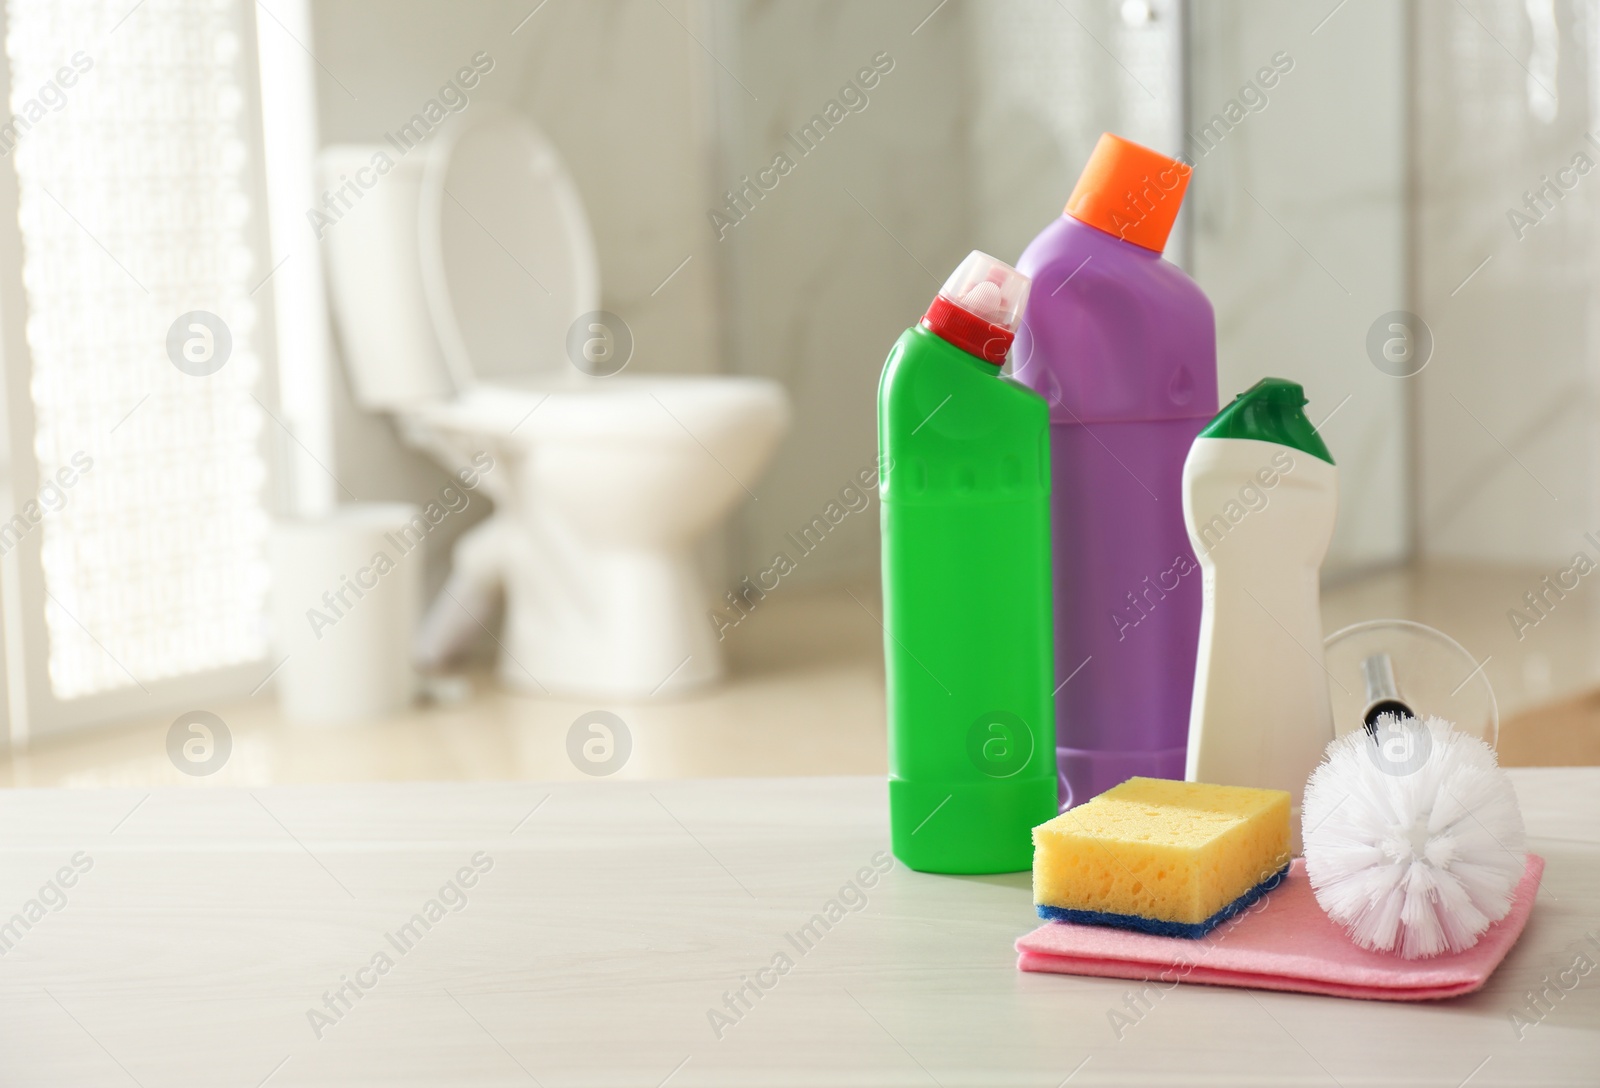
x=1260, y=495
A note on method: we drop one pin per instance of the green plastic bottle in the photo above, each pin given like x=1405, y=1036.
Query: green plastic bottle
x=964, y=472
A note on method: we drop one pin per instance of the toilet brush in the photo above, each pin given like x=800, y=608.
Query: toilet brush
x=1413, y=838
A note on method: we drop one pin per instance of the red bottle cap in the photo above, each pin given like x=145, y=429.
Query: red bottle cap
x=979, y=307
x=1130, y=192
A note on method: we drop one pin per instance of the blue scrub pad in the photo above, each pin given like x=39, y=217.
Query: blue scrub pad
x=1157, y=926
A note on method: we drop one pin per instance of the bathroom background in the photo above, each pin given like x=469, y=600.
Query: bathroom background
x=1360, y=164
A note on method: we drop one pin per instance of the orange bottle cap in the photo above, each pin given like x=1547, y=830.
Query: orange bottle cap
x=1130, y=192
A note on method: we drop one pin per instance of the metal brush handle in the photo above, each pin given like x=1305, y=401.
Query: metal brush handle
x=1383, y=693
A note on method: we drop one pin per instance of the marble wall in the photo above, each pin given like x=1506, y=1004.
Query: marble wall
x=829, y=268
x=1053, y=78
x=1506, y=427
x=1299, y=231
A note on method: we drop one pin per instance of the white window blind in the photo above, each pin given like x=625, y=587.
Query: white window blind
x=135, y=207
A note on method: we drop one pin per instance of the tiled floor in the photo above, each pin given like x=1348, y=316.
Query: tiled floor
x=806, y=698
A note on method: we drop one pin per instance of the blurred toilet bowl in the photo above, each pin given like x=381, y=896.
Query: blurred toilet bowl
x=459, y=273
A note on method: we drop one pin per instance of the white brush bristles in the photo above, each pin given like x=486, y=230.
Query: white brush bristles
x=1413, y=838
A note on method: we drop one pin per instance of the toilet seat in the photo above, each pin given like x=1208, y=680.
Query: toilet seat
x=496, y=199
x=496, y=189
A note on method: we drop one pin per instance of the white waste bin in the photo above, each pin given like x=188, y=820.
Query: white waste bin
x=346, y=596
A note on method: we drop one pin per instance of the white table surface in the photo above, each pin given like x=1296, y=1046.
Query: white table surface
x=617, y=913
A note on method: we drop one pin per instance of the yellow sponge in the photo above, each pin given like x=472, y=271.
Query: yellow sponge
x=1173, y=858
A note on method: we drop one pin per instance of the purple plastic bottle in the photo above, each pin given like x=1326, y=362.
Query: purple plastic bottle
x=1123, y=346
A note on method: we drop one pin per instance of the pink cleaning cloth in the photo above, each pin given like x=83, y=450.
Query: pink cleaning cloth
x=1286, y=942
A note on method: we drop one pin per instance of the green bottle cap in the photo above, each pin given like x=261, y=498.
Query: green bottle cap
x=1270, y=411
